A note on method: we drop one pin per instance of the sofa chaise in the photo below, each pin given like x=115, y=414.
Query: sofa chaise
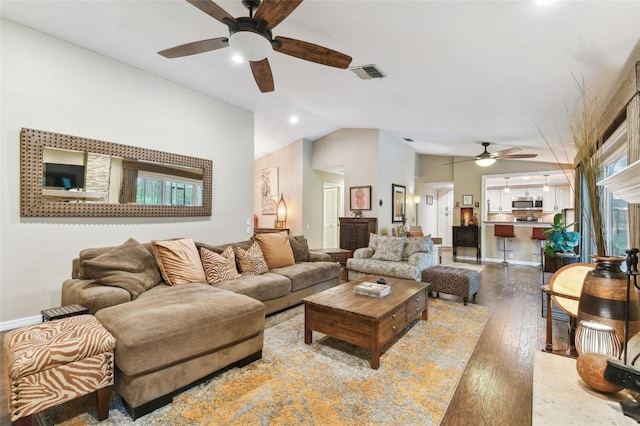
x=181, y=310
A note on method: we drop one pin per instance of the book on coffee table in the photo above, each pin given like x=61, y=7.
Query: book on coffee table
x=372, y=289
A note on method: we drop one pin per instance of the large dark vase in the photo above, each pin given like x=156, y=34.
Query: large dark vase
x=604, y=294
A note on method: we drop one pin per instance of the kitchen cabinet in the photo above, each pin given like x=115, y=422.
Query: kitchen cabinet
x=558, y=198
x=494, y=198
x=505, y=206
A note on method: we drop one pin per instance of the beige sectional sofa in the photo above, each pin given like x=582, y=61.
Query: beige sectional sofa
x=171, y=326
x=398, y=257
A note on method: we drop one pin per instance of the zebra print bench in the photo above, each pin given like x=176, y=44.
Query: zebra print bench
x=55, y=362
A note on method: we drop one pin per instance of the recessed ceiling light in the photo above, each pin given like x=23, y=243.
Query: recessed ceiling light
x=293, y=119
x=237, y=59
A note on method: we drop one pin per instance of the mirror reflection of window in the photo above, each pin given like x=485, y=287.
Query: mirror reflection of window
x=157, y=189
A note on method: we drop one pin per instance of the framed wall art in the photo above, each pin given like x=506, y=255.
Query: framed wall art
x=467, y=200
x=398, y=207
x=429, y=200
x=269, y=190
x=360, y=198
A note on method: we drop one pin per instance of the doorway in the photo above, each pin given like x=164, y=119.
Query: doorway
x=330, y=202
x=445, y=216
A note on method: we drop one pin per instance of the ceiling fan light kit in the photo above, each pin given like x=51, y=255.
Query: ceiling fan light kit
x=486, y=158
x=249, y=45
x=251, y=38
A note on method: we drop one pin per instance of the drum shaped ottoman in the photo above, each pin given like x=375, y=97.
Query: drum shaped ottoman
x=57, y=361
x=455, y=281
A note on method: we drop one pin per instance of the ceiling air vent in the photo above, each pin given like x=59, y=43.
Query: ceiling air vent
x=367, y=72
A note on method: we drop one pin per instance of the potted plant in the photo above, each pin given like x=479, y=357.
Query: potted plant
x=559, y=246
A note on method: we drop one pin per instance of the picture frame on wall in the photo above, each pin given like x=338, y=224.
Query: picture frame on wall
x=399, y=202
x=467, y=200
x=429, y=200
x=360, y=197
x=269, y=190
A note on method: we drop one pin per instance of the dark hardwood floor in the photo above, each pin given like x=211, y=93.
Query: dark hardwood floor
x=497, y=385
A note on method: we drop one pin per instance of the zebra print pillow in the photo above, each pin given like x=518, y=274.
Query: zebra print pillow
x=219, y=267
x=251, y=261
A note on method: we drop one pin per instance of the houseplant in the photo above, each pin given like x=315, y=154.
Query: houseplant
x=560, y=244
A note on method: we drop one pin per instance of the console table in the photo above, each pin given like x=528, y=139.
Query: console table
x=466, y=236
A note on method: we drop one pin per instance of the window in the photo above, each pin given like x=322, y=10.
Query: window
x=158, y=189
x=614, y=157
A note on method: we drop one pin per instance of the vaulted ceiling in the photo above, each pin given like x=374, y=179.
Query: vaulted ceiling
x=456, y=72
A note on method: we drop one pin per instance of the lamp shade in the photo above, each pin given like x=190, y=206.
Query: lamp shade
x=281, y=212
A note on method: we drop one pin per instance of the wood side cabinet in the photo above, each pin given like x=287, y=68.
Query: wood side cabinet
x=466, y=236
x=354, y=231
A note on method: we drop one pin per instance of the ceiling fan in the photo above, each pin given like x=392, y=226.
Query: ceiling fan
x=252, y=36
x=487, y=158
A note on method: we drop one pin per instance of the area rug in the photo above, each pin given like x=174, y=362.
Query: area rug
x=326, y=383
x=461, y=265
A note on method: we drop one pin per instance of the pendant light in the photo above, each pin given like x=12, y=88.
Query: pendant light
x=545, y=188
x=506, y=186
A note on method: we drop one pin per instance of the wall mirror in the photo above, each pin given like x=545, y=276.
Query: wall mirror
x=63, y=175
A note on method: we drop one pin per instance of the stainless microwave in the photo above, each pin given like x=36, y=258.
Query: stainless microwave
x=526, y=203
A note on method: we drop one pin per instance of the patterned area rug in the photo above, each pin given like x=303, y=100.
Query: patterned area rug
x=328, y=382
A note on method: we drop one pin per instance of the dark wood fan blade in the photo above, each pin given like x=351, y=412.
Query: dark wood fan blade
x=508, y=151
x=213, y=10
x=517, y=156
x=262, y=74
x=195, y=47
x=275, y=11
x=311, y=52
x=461, y=161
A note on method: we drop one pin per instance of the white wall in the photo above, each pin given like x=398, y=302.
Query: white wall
x=51, y=85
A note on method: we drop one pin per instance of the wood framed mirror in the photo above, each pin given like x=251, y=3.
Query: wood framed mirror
x=71, y=176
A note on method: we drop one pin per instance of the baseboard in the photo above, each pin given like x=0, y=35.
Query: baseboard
x=20, y=322
x=511, y=261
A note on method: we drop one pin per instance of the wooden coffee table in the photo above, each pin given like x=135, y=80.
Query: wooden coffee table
x=365, y=321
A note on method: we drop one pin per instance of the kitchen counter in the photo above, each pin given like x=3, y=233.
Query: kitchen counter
x=521, y=249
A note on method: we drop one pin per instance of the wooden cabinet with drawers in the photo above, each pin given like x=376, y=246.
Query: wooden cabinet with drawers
x=354, y=231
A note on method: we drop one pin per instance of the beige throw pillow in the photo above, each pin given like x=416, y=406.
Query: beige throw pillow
x=129, y=266
x=219, y=267
x=179, y=261
x=251, y=260
x=388, y=248
x=276, y=249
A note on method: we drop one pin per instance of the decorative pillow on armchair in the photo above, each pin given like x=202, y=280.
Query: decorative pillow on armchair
x=388, y=248
x=129, y=266
x=179, y=261
x=416, y=245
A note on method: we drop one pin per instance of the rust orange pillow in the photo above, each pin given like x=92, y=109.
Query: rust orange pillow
x=179, y=261
x=276, y=249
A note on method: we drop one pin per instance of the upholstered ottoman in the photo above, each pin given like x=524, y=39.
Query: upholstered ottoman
x=57, y=361
x=455, y=281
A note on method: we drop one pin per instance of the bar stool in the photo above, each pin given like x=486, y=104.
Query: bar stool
x=504, y=231
x=538, y=237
